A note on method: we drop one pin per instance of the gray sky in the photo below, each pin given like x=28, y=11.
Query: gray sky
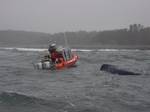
x=72, y=15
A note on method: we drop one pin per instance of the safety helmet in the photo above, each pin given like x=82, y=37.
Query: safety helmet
x=52, y=46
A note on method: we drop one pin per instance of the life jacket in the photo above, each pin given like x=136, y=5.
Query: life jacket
x=55, y=55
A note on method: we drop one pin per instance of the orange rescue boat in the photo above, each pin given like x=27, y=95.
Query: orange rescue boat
x=69, y=59
x=68, y=63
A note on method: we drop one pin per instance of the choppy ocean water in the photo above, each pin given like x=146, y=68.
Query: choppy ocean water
x=79, y=89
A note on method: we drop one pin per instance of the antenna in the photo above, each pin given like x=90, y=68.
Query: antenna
x=67, y=51
x=66, y=40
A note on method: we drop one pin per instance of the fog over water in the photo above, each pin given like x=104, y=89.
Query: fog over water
x=53, y=16
x=27, y=27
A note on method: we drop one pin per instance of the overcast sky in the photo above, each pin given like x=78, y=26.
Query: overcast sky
x=72, y=15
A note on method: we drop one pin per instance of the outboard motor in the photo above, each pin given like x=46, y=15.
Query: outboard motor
x=43, y=65
x=46, y=65
x=38, y=66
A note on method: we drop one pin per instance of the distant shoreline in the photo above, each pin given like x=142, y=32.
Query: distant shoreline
x=135, y=37
x=140, y=47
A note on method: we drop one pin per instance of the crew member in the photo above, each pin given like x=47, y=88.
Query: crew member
x=55, y=56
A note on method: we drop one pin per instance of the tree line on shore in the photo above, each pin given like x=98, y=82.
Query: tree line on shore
x=135, y=35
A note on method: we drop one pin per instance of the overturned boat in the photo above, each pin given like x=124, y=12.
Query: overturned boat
x=113, y=69
x=69, y=60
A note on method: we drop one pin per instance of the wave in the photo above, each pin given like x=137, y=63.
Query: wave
x=23, y=49
x=77, y=50
x=16, y=98
x=19, y=99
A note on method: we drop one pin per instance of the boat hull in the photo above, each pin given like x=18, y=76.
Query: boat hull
x=48, y=65
x=68, y=63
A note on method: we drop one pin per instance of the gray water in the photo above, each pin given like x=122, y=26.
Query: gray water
x=83, y=88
